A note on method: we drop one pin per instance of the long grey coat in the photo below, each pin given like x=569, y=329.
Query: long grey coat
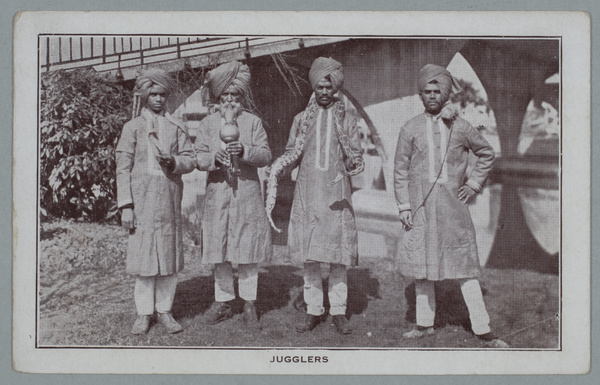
x=234, y=224
x=441, y=245
x=156, y=246
x=322, y=225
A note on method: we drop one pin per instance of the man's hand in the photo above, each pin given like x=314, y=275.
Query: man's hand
x=406, y=219
x=465, y=193
x=222, y=156
x=128, y=219
x=167, y=161
x=235, y=148
x=350, y=165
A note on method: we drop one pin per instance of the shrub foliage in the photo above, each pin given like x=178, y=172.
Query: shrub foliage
x=82, y=113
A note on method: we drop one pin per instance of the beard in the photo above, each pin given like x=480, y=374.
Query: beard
x=230, y=109
x=433, y=107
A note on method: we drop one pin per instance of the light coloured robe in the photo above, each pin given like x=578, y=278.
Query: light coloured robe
x=441, y=244
x=156, y=246
x=234, y=224
x=322, y=225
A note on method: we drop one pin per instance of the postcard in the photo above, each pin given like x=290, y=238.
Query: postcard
x=302, y=192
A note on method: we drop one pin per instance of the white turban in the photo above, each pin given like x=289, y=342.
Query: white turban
x=234, y=72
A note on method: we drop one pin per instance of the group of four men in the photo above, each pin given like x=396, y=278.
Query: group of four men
x=429, y=181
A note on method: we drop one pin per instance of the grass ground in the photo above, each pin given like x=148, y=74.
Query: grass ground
x=85, y=298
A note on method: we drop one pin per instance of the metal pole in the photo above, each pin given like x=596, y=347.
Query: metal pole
x=47, y=54
x=247, y=49
x=103, y=50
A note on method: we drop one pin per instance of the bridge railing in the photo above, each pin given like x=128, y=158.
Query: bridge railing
x=107, y=53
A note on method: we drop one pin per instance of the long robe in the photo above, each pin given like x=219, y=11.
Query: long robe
x=441, y=244
x=234, y=224
x=322, y=225
x=156, y=245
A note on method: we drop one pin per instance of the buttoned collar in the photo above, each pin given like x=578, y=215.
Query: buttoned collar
x=433, y=117
x=148, y=113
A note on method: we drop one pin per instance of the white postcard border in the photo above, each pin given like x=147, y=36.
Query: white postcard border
x=573, y=27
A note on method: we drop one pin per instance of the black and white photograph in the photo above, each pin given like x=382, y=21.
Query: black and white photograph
x=300, y=198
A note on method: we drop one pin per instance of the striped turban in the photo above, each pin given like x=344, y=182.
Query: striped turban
x=150, y=77
x=232, y=73
x=322, y=67
x=441, y=76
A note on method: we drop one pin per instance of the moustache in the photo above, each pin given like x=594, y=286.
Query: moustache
x=230, y=105
x=235, y=106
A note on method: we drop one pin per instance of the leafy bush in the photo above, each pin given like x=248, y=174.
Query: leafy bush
x=82, y=114
x=192, y=220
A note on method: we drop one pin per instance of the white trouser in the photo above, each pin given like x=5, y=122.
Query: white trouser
x=154, y=293
x=471, y=291
x=247, y=281
x=313, y=289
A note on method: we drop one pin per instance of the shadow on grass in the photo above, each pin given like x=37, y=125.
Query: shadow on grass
x=278, y=287
x=451, y=308
x=275, y=287
x=361, y=287
x=46, y=234
x=193, y=296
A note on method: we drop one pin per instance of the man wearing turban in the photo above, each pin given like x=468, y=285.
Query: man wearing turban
x=235, y=229
x=432, y=190
x=324, y=141
x=152, y=153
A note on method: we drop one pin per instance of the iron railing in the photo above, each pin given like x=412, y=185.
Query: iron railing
x=106, y=53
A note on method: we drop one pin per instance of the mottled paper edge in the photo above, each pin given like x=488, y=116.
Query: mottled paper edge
x=573, y=27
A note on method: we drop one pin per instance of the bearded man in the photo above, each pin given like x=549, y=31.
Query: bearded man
x=152, y=153
x=235, y=229
x=432, y=190
x=324, y=140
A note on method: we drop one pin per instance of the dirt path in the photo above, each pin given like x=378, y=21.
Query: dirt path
x=85, y=298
